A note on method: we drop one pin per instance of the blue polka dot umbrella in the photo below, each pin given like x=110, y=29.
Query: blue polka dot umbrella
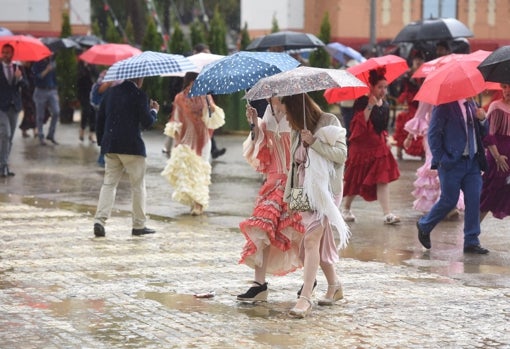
x=240, y=71
x=148, y=63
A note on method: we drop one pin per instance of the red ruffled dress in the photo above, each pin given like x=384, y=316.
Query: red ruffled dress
x=271, y=223
x=369, y=160
x=400, y=134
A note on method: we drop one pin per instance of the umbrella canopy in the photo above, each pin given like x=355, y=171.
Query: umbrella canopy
x=56, y=44
x=26, y=48
x=432, y=65
x=4, y=31
x=452, y=81
x=108, y=54
x=395, y=66
x=200, y=60
x=286, y=40
x=302, y=80
x=337, y=51
x=496, y=66
x=240, y=71
x=146, y=64
x=433, y=29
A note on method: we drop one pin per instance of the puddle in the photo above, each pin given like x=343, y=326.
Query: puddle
x=76, y=307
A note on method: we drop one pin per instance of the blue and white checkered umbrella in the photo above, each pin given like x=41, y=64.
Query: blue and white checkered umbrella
x=148, y=63
x=240, y=71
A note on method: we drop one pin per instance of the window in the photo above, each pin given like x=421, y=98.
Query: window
x=439, y=8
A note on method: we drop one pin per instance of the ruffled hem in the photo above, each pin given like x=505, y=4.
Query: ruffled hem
x=364, y=173
x=215, y=120
x=172, y=128
x=272, y=225
x=189, y=175
x=417, y=126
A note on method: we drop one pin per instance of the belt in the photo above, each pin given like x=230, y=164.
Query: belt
x=464, y=157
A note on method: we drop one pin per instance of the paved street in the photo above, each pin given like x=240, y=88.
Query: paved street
x=62, y=288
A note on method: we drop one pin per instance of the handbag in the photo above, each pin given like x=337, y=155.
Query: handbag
x=298, y=198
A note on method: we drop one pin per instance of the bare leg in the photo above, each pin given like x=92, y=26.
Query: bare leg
x=347, y=201
x=383, y=196
x=311, y=265
x=260, y=272
x=332, y=277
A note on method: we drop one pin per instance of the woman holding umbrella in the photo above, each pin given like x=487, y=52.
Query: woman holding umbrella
x=273, y=233
x=318, y=147
x=370, y=166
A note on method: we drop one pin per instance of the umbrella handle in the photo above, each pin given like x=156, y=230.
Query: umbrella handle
x=304, y=113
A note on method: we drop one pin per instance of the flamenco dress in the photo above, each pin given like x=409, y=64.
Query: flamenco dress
x=370, y=160
x=496, y=184
x=271, y=224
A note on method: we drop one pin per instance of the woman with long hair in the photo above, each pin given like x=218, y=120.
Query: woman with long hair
x=188, y=170
x=318, y=153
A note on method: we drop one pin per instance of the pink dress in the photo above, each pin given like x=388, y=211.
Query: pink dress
x=426, y=186
x=271, y=224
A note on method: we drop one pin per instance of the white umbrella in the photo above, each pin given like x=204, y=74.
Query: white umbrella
x=148, y=63
x=200, y=60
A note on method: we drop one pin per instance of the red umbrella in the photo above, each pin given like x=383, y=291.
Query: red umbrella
x=452, y=81
x=432, y=65
x=26, y=48
x=395, y=66
x=108, y=54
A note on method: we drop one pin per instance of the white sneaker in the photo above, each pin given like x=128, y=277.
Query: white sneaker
x=390, y=218
x=348, y=216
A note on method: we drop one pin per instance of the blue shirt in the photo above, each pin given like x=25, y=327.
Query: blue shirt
x=49, y=80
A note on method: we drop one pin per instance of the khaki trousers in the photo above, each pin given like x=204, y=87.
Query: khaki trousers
x=115, y=166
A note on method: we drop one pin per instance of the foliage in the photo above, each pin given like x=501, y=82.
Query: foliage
x=178, y=43
x=245, y=38
x=152, y=40
x=130, y=31
x=197, y=33
x=274, y=25
x=217, y=34
x=67, y=69
x=95, y=29
x=321, y=59
x=112, y=33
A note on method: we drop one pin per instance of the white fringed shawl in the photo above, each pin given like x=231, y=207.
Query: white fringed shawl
x=319, y=191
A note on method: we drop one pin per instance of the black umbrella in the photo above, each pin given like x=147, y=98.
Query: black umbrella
x=433, y=29
x=87, y=40
x=286, y=40
x=56, y=44
x=496, y=67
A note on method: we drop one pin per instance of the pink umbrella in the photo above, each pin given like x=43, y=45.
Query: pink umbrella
x=432, y=65
x=108, y=54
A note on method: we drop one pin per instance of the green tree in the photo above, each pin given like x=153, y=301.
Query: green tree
x=178, y=43
x=130, y=31
x=274, y=25
x=67, y=71
x=197, y=33
x=95, y=29
x=218, y=34
x=112, y=33
x=245, y=37
x=320, y=58
x=152, y=41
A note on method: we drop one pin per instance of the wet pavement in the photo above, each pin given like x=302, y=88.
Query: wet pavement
x=62, y=288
